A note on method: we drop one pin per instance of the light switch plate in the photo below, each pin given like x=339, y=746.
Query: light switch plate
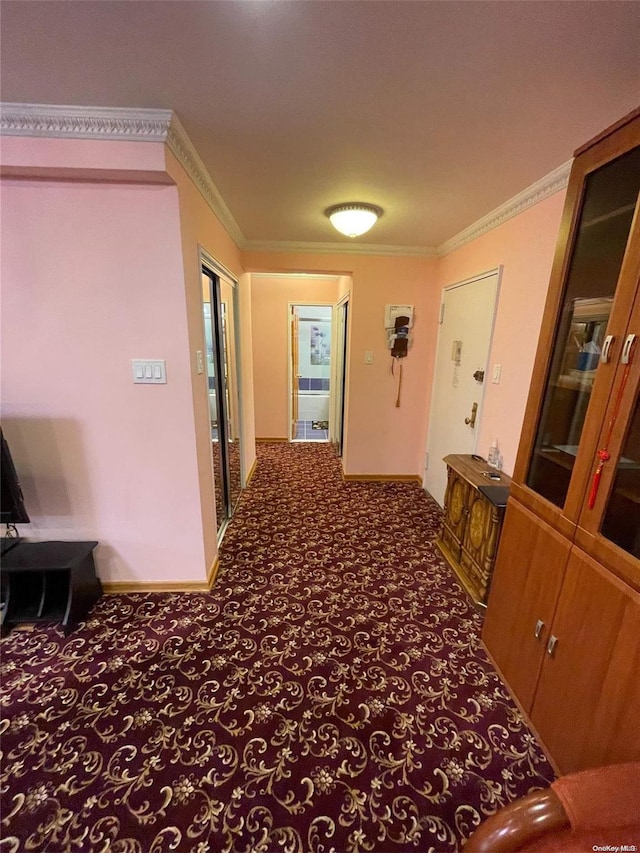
x=149, y=371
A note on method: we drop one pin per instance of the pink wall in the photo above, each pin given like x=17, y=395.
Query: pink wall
x=524, y=246
x=83, y=159
x=100, y=273
x=92, y=277
x=270, y=298
x=380, y=438
x=199, y=227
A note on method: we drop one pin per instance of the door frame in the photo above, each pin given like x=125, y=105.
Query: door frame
x=339, y=378
x=219, y=272
x=478, y=277
x=290, y=305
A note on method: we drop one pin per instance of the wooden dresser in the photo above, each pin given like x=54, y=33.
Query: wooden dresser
x=474, y=508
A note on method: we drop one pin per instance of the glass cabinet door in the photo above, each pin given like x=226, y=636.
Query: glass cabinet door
x=621, y=520
x=609, y=199
x=610, y=518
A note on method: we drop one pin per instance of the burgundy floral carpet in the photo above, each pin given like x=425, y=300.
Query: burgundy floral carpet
x=330, y=693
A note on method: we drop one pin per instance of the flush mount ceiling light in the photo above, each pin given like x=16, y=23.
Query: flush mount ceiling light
x=353, y=218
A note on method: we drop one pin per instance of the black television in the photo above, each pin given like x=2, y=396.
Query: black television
x=12, y=507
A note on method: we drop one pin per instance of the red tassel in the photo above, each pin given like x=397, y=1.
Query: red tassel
x=603, y=456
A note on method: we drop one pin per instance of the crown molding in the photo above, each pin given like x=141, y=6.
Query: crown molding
x=546, y=186
x=115, y=123
x=182, y=148
x=156, y=125
x=337, y=248
x=310, y=275
x=67, y=122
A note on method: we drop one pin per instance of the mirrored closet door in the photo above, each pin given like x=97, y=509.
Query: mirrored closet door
x=218, y=309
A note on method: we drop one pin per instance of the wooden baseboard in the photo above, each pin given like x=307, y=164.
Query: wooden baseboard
x=272, y=439
x=115, y=587
x=252, y=471
x=382, y=478
x=212, y=574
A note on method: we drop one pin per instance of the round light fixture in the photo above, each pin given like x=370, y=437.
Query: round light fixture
x=353, y=218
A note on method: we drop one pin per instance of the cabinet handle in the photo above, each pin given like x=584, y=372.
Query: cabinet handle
x=551, y=645
x=606, y=347
x=626, y=349
x=538, y=629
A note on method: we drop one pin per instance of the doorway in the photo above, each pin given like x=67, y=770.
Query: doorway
x=310, y=371
x=219, y=311
x=340, y=373
x=467, y=315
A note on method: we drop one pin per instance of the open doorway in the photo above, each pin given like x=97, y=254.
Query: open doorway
x=310, y=371
x=337, y=428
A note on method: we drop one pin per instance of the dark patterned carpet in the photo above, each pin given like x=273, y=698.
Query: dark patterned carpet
x=329, y=695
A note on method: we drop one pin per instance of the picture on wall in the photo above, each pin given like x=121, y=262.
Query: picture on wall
x=320, y=343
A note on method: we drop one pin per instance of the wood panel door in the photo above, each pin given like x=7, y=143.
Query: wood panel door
x=527, y=578
x=478, y=552
x=587, y=705
x=455, y=512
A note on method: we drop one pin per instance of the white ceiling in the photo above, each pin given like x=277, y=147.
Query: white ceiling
x=437, y=111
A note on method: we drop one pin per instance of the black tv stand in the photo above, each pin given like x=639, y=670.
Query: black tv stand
x=7, y=543
x=48, y=581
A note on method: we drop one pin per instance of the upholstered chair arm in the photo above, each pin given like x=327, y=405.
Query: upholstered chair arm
x=519, y=823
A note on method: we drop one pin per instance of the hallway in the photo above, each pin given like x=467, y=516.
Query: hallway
x=329, y=694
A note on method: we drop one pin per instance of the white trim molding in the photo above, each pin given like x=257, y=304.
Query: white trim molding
x=312, y=275
x=550, y=184
x=337, y=248
x=183, y=150
x=115, y=123
x=67, y=122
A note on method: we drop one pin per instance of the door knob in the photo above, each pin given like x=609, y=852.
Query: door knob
x=472, y=420
x=551, y=645
x=538, y=629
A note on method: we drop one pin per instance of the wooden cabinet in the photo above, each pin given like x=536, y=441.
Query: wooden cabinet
x=563, y=619
x=587, y=700
x=585, y=380
x=473, y=513
x=529, y=571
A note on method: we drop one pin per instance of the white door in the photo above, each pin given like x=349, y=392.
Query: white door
x=338, y=378
x=466, y=324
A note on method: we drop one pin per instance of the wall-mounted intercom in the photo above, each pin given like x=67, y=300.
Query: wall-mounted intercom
x=392, y=312
x=398, y=319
